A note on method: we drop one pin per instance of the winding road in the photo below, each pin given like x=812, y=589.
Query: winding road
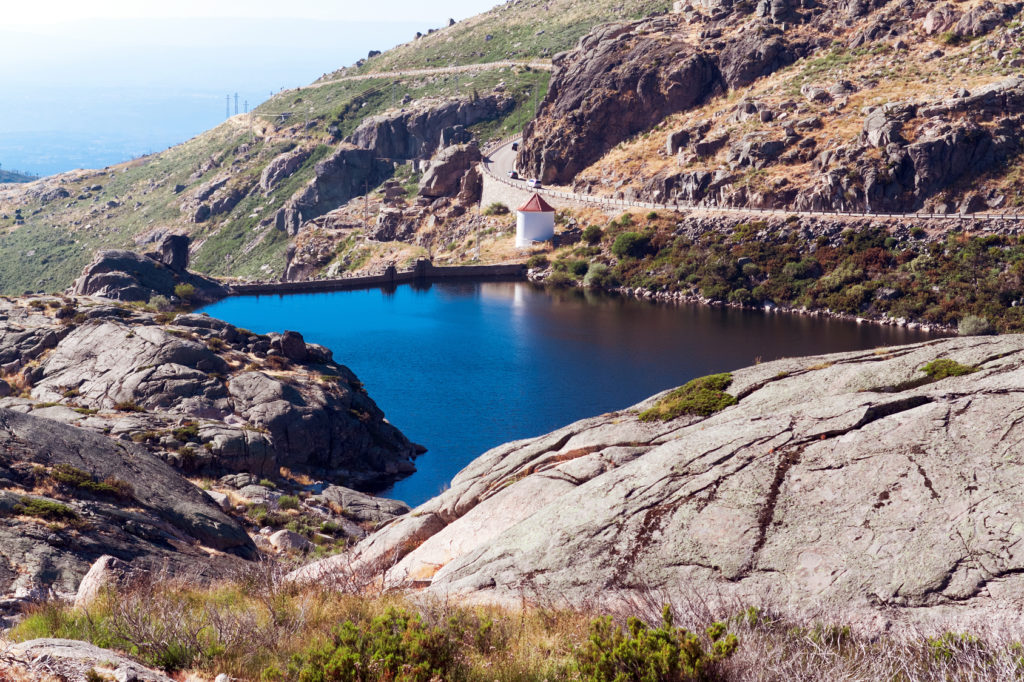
x=499, y=158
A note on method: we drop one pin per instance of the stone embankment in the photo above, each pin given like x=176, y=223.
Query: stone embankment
x=423, y=272
x=880, y=483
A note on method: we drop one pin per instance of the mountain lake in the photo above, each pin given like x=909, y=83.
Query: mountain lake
x=463, y=367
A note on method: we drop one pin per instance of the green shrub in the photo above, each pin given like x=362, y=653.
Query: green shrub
x=128, y=406
x=69, y=476
x=559, y=279
x=701, y=397
x=267, y=483
x=741, y=296
x=394, y=646
x=576, y=268
x=973, y=325
x=288, y=502
x=631, y=244
x=187, y=432
x=497, y=208
x=593, y=234
x=185, y=291
x=950, y=645
x=641, y=654
x=160, y=303
x=951, y=38
x=599, y=276
x=944, y=368
x=537, y=261
x=46, y=509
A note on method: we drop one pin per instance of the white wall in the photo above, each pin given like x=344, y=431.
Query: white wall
x=534, y=227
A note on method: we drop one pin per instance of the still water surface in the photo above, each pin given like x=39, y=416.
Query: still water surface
x=463, y=367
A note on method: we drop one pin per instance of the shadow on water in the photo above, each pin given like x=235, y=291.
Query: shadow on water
x=461, y=367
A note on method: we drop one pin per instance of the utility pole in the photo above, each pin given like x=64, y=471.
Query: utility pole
x=236, y=104
x=227, y=106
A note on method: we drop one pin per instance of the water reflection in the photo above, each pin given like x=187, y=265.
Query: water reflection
x=462, y=367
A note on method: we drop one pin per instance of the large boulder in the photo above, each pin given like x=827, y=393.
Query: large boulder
x=443, y=178
x=851, y=481
x=129, y=276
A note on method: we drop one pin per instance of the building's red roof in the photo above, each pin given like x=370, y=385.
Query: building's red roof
x=536, y=204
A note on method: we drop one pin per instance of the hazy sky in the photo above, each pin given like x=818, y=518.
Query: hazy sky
x=46, y=12
x=92, y=82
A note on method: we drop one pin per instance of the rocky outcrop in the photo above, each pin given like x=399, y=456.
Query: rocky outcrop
x=200, y=393
x=281, y=167
x=444, y=176
x=216, y=197
x=345, y=174
x=40, y=659
x=70, y=496
x=853, y=481
x=417, y=132
x=619, y=82
x=621, y=79
x=129, y=276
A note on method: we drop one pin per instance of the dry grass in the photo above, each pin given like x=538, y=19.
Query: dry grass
x=257, y=621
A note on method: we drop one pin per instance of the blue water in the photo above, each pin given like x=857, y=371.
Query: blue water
x=461, y=368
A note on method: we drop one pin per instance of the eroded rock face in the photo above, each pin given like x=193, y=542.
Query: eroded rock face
x=839, y=480
x=201, y=393
x=345, y=174
x=444, y=176
x=621, y=79
x=281, y=167
x=163, y=518
x=418, y=132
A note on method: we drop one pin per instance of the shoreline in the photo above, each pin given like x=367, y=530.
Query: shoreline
x=676, y=297
x=430, y=274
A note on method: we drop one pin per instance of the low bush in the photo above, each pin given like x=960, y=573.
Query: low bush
x=185, y=292
x=188, y=432
x=700, y=397
x=631, y=245
x=394, y=646
x=537, y=261
x=128, y=406
x=599, y=276
x=974, y=325
x=47, y=509
x=288, y=502
x=497, y=208
x=639, y=653
x=944, y=368
x=592, y=234
x=560, y=279
x=71, y=477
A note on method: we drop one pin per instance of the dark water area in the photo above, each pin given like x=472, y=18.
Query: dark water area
x=461, y=368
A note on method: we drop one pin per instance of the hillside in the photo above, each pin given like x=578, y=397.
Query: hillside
x=878, y=106
x=62, y=220
x=7, y=176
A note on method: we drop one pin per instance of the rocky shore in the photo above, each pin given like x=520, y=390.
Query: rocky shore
x=880, y=483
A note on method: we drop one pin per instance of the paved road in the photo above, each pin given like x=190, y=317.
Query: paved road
x=468, y=68
x=500, y=159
